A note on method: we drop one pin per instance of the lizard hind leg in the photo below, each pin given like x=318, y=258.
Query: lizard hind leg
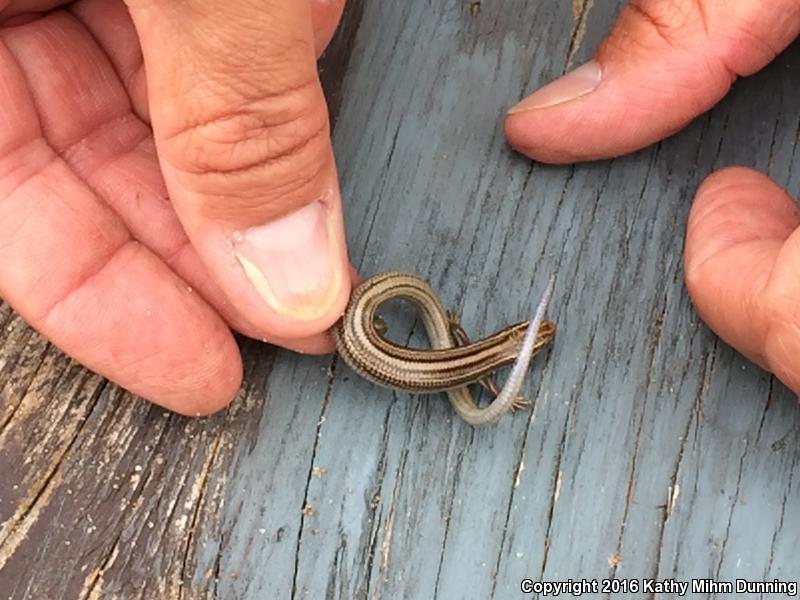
x=519, y=403
x=381, y=328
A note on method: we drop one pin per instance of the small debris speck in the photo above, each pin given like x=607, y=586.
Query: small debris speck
x=308, y=510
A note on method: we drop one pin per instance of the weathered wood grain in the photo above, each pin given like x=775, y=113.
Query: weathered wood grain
x=653, y=450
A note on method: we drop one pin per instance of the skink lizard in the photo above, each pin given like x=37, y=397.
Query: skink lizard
x=453, y=362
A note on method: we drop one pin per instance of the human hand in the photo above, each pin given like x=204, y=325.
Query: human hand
x=138, y=264
x=663, y=64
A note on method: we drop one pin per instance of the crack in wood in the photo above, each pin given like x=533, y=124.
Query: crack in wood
x=331, y=374
x=450, y=507
x=388, y=529
x=673, y=481
x=374, y=511
x=731, y=510
x=94, y=583
x=517, y=472
x=197, y=498
x=554, y=493
x=779, y=527
x=580, y=13
x=14, y=531
x=49, y=351
x=372, y=216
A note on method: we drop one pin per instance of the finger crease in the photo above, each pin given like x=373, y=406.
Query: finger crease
x=32, y=168
x=659, y=27
x=264, y=161
x=87, y=277
x=69, y=150
x=243, y=112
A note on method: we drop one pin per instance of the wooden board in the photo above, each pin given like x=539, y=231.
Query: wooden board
x=653, y=450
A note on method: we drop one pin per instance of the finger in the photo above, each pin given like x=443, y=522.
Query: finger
x=663, y=64
x=112, y=150
x=71, y=269
x=325, y=17
x=13, y=9
x=242, y=131
x=742, y=266
x=110, y=23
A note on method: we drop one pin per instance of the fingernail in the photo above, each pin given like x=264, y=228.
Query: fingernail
x=574, y=84
x=295, y=262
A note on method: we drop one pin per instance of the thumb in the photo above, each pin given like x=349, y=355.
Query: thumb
x=242, y=133
x=742, y=265
x=663, y=64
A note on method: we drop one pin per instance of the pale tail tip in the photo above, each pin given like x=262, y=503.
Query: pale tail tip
x=538, y=314
x=551, y=284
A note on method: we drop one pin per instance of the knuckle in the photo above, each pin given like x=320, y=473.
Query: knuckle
x=756, y=37
x=280, y=140
x=651, y=24
x=668, y=19
x=259, y=130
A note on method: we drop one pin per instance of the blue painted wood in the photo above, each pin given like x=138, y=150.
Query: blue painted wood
x=652, y=450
